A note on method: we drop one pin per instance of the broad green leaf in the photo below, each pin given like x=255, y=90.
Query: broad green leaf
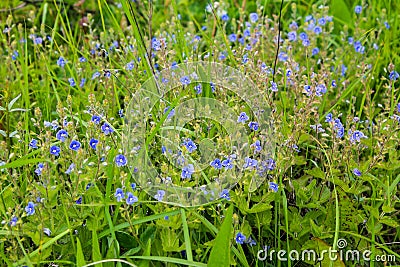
x=220, y=253
x=80, y=258
x=96, y=255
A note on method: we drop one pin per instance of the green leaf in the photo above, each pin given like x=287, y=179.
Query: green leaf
x=126, y=240
x=169, y=260
x=21, y=162
x=96, y=255
x=220, y=253
x=12, y=102
x=341, y=12
x=2, y=109
x=146, y=263
x=316, y=172
x=389, y=221
x=80, y=258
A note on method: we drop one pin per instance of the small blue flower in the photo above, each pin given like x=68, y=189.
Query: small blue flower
x=303, y=36
x=358, y=9
x=121, y=113
x=320, y=90
x=15, y=55
x=307, y=90
x=249, y=162
x=253, y=17
x=30, y=208
x=253, y=126
x=55, y=150
x=96, y=119
x=306, y=42
x=257, y=146
x=190, y=145
x=387, y=25
x=133, y=186
x=170, y=113
x=47, y=231
x=130, y=66
x=328, y=118
x=357, y=172
x=119, y=194
x=39, y=169
x=33, y=144
x=70, y=168
x=240, y=238
x=398, y=107
x=314, y=51
x=62, y=135
x=274, y=87
x=82, y=82
x=224, y=17
x=106, y=129
x=82, y=59
x=79, y=200
x=131, y=199
x=322, y=21
x=333, y=84
x=350, y=40
x=317, y=29
x=38, y=40
x=225, y=194
x=243, y=117
x=93, y=143
x=356, y=136
x=75, y=145
x=96, y=75
x=13, y=221
x=271, y=164
x=232, y=37
x=198, y=89
x=273, y=186
x=185, y=80
x=71, y=82
x=292, y=36
x=394, y=75
x=160, y=195
x=227, y=164
x=155, y=44
x=216, y=163
x=187, y=171
x=120, y=160
x=61, y=62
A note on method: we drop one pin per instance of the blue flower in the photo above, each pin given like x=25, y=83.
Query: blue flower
x=333, y=83
x=274, y=87
x=387, y=25
x=398, y=107
x=358, y=9
x=257, y=146
x=130, y=65
x=160, y=195
x=82, y=82
x=273, y=186
x=232, y=37
x=75, y=145
x=79, y=200
x=224, y=17
x=253, y=126
x=227, y=164
x=30, y=208
x=292, y=36
x=187, y=171
x=198, y=89
x=39, y=169
x=93, y=143
x=253, y=17
x=15, y=55
x=317, y=29
x=350, y=40
x=314, y=51
x=338, y=127
x=170, y=113
x=243, y=117
x=38, y=40
x=96, y=75
x=70, y=168
x=358, y=47
x=271, y=164
x=120, y=160
x=133, y=186
x=82, y=59
x=13, y=221
x=62, y=135
x=357, y=172
x=394, y=75
x=303, y=36
x=185, y=80
x=156, y=44
x=121, y=113
x=71, y=82
x=328, y=118
x=33, y=144
x=249, y=162
x=322, y=21
x=130, y=198
x=307, y=90
x=55, y=150
x=106, y=128
x=306, y=42
x=190, y=145
x=356, y=136
x=216, y=163
x=119, y=194
x=320, y=90
x=96, y=119
x=61, y=62
x=225, y=194
x=240, y=238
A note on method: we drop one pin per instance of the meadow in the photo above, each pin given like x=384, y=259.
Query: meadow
x=195, y=133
